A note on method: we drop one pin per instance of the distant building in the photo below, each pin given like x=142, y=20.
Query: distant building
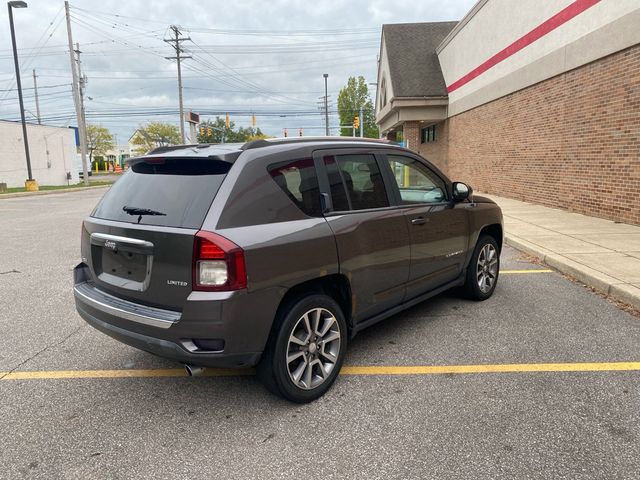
x=52, y=151
x=533, y=100
x=118, y=154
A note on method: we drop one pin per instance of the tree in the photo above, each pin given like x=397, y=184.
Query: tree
x=153, y=135
x=351, y=98
x=215, y=131
x=99, y=141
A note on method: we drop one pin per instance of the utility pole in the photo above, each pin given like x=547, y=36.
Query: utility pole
x=175, y=43
x=326, y=106
x=82, y=83
x=76, y=99
x=361, y=122
x=35, y=89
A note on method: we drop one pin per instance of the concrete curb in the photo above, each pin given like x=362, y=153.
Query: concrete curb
x=602, y=282
x=50, y=192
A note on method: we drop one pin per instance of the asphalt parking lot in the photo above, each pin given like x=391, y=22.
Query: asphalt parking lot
x=76, y=404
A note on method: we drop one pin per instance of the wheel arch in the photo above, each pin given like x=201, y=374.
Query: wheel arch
x=494, y=230
x=336, y=286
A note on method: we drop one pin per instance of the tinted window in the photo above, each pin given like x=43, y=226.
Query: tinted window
x=299, y=181
x=361, y=178
x=338, y=193
x=181, y=189
x=417, y=183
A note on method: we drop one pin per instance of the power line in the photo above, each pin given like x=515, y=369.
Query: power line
x=279, y=32
x=26, y=62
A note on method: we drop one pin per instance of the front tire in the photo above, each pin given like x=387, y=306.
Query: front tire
x=483, y=269
x=304, y=355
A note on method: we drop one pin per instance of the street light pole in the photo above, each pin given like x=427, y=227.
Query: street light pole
x=326, y=105
x=11, y=6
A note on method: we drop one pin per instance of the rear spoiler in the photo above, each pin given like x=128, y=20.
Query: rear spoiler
x=152, y=157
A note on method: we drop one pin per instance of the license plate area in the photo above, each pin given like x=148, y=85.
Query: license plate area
x=127, y=265
x=122, y=262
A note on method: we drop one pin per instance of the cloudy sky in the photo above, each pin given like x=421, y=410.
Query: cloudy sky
x=259, y=57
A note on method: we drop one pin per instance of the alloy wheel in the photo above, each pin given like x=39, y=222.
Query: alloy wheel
x=487, y=268
x=313, y=348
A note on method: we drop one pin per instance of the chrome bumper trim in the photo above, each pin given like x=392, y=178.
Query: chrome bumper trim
x=95, y=298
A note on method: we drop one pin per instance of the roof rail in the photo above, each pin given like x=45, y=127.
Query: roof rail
x=267, y=142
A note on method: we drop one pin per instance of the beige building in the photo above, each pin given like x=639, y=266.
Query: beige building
x=533, y=100
x=52, y=151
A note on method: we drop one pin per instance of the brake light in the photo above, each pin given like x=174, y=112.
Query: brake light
x=155, y=160
x=218, y=263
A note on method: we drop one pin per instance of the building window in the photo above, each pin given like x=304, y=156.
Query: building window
x=428, y=134
x=383, y=93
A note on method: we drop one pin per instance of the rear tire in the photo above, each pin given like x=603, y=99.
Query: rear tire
x=483, y=269
x=305, y=353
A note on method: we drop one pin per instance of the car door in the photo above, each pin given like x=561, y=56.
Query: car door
x=438, y=228
x=371, y=234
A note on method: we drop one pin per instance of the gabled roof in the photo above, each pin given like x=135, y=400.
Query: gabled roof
x=413, y=63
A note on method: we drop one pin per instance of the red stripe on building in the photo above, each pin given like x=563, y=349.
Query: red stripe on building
x=563, y=16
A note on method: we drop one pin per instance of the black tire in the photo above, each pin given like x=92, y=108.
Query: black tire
x=472, y=289
x=274, y=368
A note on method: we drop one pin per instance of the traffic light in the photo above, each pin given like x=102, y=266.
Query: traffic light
x=209, y=132
x=356, y=121
x=201, y=131
x=253, y=120
x=227, y=121
x=300, y=132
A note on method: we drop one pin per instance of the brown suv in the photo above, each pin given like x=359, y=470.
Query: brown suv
x=276, y=252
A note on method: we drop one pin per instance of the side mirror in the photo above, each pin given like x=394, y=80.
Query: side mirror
x=461, y=191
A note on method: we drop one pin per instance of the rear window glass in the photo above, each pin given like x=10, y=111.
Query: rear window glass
x=174, y=193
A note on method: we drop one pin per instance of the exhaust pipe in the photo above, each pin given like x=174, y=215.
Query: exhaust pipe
x=193, y=370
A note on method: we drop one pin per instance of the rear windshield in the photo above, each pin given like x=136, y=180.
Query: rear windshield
x=176, y=192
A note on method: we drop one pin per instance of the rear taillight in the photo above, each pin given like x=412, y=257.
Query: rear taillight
x=218, y=264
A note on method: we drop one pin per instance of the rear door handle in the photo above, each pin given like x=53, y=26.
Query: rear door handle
x=419, y=221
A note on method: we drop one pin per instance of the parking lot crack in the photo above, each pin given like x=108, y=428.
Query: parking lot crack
x=51, y=345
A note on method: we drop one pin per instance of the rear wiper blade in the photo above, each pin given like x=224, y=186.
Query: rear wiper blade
x=141, y=211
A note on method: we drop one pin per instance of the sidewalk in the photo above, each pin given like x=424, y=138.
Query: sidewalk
x=599, y=253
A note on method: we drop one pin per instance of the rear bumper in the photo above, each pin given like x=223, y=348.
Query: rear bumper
x=232, y=317
x=167, y=348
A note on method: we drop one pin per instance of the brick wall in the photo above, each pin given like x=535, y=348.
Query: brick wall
x=572, y=141
x=435, y=152
x=411, y=135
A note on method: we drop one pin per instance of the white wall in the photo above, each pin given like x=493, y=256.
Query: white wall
x=383, y=77
x=604, y=28
x=52, y=150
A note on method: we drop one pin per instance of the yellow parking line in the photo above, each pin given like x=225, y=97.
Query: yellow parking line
x=500, y=368
x=346, y=370
x=540, y=270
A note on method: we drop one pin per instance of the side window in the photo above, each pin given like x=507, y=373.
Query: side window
x=356, y=182
x=299, y=181
x=417, y=183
